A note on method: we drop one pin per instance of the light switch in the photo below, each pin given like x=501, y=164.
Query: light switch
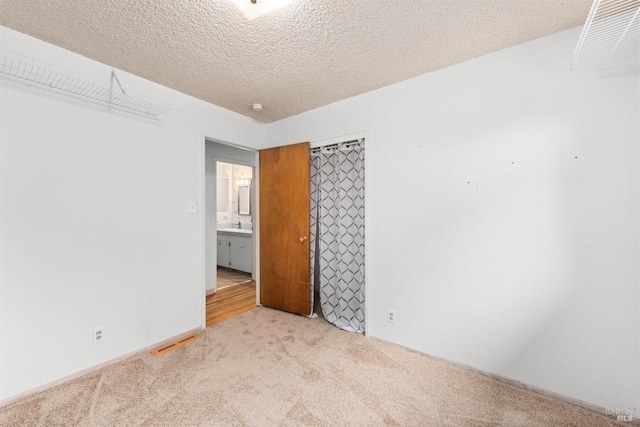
x=192, y=207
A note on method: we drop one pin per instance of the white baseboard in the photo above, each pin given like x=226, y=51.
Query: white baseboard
x=554, y=395
x=95, y=368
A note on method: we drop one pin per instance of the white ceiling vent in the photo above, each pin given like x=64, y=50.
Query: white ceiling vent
x=611, y=35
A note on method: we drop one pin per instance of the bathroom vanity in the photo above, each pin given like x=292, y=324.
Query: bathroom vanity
x=235, y=249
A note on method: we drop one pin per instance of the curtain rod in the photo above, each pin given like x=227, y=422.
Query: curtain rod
x=338, y=146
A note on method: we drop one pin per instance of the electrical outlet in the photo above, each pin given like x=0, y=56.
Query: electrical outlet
x=391, y=316
x=98, y=335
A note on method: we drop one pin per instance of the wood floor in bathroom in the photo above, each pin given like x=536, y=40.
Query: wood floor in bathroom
x=231, y=300
x=227, y=277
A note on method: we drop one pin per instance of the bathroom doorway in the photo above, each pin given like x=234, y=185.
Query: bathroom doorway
x=234, y=224
x=230, y=273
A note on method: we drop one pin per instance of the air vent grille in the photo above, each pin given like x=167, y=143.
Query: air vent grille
x=610, y=36
x=176, y=344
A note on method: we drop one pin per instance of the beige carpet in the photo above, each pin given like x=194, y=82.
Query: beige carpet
x=267, y=368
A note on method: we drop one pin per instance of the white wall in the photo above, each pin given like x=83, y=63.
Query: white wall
x=93, y=220
x=514, y=256
x=516, y=252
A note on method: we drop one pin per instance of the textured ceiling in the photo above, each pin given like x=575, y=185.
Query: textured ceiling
x=303, y=56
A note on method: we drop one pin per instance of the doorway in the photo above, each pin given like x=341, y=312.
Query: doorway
x=337, y=232
x=230, y=267
x=234, y=224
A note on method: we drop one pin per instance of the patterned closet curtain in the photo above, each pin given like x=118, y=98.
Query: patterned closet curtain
x=337, y=232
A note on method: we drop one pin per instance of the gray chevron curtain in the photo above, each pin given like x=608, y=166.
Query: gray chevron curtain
x=337, y=232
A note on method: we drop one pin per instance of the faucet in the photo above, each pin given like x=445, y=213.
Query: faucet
x=239, y=225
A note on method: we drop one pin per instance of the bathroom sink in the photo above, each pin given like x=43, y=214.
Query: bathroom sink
x=236, y=230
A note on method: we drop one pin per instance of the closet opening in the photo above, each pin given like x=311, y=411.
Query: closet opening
x=337, y=234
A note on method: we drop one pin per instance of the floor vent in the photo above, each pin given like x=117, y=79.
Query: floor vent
x=172, y=346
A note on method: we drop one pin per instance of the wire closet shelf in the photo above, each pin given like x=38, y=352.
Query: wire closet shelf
x=610, y=36
x=28, y=70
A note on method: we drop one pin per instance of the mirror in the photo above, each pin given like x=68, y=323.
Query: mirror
x=244, y=200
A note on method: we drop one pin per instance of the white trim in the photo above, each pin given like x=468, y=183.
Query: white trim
x=221, y=139
x=572, y=401
x=256, y=227
x=202, y=173
x=94, y=368
x=214, y=248
x=367, y=230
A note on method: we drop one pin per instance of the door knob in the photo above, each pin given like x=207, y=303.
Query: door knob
x=303, y=238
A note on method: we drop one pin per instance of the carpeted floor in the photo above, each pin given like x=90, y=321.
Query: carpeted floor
x=266, y=368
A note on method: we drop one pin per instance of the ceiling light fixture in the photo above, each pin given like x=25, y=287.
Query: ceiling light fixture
x=252, y=9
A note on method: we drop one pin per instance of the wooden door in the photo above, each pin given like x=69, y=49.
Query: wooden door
x=284, y=228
